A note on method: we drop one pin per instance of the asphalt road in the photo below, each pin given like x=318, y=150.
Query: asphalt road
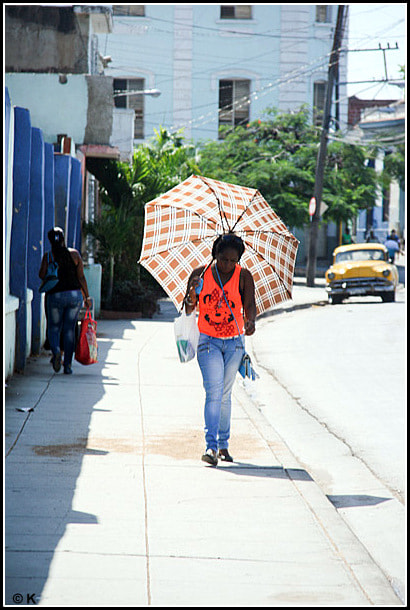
x=346, y=365
x=333, y=385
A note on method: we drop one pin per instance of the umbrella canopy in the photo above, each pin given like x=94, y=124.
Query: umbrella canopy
x=181, y=226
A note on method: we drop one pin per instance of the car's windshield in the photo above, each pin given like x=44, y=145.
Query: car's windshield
x=360, y=255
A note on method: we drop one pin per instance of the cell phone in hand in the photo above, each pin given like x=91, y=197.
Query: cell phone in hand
x=199, y=287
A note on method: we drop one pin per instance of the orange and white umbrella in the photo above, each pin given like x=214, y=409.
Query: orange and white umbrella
x=182, y=224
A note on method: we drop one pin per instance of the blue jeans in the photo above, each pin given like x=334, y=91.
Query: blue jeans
x=219, y=361
x=62, y=314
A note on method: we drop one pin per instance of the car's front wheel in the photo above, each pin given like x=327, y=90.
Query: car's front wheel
x=389, y=297
x=336, y=299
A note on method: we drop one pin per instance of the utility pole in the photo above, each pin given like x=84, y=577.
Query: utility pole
x=321, y=156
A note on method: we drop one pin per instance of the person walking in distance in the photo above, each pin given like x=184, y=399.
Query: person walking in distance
x=64, y=301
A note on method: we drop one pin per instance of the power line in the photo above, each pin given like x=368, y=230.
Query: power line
x=204, y=119
x=265, y=90
x=291, y=76
x=218, y=30
x=316, y=64
x=382, y=80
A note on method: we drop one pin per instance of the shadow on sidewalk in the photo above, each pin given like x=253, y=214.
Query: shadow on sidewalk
x=356, y=500
x=273, y=472
x=45, y=450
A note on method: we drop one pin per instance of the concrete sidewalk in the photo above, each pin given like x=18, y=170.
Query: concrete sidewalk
x=108, y=503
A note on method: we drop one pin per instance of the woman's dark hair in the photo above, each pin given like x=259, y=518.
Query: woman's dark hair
x=228, y=240
x=56, y=237
x=58, y=247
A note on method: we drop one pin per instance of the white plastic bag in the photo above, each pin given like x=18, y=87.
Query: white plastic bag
x=186, y=336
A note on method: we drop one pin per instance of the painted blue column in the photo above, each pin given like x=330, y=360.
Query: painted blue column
x=78, y=232
x=7, y=113
x=19, y=229
x=36, y=234
x=75, y=203
x=62, y=172
x=48, y=193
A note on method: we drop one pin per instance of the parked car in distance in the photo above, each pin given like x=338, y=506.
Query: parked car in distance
x=361, y=270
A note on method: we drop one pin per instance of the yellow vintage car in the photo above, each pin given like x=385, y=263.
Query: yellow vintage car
x=361, y=270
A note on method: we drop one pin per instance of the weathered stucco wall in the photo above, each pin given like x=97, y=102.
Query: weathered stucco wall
x=56, y=36
x=100, y=110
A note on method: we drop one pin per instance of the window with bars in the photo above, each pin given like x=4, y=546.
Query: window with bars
x=234, y=102
x=323, y=13
x=128, y=10
x=240, y=11
x=136, y=102
x=319, y=93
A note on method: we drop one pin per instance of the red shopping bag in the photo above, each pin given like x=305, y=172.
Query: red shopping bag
x=86, y=350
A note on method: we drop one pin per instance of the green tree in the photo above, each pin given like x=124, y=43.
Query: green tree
x=124, y=189
x=278, y=155
x=110, y=235
x=395, y=164
x=350, y=185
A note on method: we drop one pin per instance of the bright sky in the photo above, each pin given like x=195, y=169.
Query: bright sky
x=369, y=25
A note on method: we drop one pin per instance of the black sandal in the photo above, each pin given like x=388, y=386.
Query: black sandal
x=224, y=456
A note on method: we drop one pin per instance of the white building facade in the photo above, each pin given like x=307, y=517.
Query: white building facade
x=219, y=64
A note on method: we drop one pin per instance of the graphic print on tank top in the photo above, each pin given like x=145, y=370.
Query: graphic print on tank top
x=215, y=317
x=218, y=314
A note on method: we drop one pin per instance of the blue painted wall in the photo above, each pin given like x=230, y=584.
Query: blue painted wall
x=48, y=193
x=62, y=176
x=19, y=229
x=46, y=190
x=74, y=207
x=7, y=111
x=36, y=233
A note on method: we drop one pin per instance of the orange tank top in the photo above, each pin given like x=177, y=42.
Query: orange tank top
x=215, y=318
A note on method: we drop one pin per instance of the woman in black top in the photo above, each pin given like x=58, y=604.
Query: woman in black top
x=64, y=301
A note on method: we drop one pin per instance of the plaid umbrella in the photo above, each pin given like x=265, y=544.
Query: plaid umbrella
x=181, y=226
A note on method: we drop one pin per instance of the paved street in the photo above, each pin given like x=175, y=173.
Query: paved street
x=351, y=372
x=108, y=503
x=342, y=410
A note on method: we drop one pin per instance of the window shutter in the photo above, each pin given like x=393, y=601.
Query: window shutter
x=241, y=101
x=322, y=13
x=227, y=12
x=136, y=102
x=120, y=84
x=225, y=102
x=240, y=11
x=128, y=10
x=319, y=92
x=243, y=11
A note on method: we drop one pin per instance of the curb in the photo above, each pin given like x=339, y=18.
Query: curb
x=357, y=560
x=273, y=312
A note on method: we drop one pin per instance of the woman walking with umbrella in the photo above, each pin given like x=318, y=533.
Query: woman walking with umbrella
x=227, y=309
x=179, y=234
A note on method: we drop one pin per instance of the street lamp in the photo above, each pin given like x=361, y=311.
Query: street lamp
x=152, y=92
